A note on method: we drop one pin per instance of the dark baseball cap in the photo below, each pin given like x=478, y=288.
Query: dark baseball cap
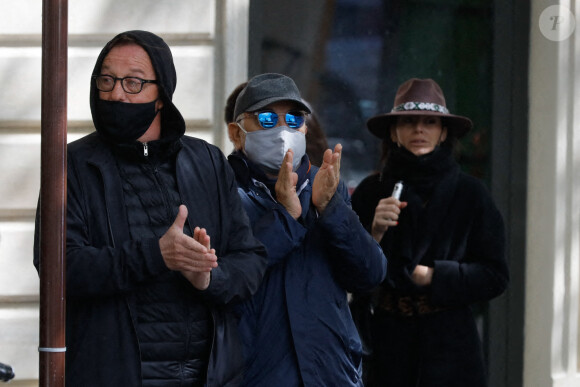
x=265, y=89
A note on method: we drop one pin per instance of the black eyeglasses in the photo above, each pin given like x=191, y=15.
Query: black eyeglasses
x=131, y=85
x=269, y=119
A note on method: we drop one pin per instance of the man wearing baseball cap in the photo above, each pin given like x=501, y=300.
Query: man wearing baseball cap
x=297, y=329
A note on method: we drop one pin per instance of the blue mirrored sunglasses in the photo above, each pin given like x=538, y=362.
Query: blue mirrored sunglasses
x=268, y=120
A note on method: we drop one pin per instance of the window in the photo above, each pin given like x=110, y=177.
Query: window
x=349, y=56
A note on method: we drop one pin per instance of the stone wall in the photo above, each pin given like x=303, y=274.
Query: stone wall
x=209, y=44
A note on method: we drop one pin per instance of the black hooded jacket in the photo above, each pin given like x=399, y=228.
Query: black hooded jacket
x=109, y=265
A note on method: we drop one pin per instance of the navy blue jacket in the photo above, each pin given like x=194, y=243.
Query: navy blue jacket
x=104, y=265
x=312, y=263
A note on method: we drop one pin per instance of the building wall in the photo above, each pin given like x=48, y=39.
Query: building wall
x=553, y=202
x=209, y=44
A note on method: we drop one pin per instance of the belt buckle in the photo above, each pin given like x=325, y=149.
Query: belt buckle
x=406, y=306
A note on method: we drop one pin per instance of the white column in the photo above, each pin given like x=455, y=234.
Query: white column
x=553, y=230
x=231, y=60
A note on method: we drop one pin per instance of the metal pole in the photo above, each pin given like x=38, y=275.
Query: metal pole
x=53, y=193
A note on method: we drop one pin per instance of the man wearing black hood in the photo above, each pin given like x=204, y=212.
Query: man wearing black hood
x=148, y=293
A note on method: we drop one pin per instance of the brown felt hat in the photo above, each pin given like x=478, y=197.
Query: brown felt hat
x=419, y=97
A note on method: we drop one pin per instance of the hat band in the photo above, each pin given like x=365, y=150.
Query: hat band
x=427, y=106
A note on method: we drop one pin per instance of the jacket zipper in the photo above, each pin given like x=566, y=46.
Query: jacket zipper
x=145, y=149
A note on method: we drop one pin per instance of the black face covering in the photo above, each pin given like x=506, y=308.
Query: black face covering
x=123, y=122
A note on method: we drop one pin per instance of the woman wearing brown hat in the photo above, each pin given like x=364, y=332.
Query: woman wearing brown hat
x=444, y=241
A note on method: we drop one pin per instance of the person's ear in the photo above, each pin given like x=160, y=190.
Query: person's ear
x=158, y=104
x=235, y=135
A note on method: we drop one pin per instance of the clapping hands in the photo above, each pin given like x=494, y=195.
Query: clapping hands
x=327, y=178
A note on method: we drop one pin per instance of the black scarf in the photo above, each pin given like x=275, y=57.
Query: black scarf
x=422, y=173
x=429, y=182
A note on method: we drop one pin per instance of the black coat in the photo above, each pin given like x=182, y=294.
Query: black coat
x=104, y=265
x=452, y=225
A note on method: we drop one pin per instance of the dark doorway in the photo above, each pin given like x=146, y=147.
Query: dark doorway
x=349, y=56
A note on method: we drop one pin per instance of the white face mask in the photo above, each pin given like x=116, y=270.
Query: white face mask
x=267, y=148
